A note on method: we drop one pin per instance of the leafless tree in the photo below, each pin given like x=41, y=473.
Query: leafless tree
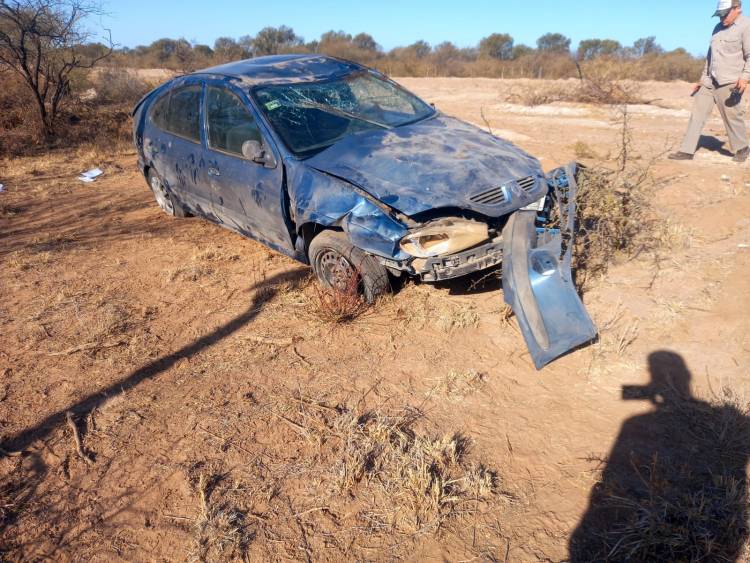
x=44, y=42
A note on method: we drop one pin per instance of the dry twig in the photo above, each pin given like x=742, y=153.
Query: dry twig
x=77, y=438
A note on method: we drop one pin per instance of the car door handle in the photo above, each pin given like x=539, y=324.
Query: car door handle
x=213, y=171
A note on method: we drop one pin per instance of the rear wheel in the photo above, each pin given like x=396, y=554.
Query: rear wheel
x=338, y=264
x=165, y=199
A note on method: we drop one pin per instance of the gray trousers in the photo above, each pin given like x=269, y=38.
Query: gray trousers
x=730, y=110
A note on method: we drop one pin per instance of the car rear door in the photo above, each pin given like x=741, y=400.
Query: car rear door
x=174, y=145
x=247, y=196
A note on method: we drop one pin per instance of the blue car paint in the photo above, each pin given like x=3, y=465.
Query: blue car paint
x=537, y=280
x=374, y=185
x=436, y=163
x=320, y=199
x=284, y=69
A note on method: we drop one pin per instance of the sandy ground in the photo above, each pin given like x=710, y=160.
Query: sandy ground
x=190, y=356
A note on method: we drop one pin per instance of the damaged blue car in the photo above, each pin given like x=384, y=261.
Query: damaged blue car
x=339, y=167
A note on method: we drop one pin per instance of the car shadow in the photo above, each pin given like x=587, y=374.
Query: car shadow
x=673, y=487
x=484, y=281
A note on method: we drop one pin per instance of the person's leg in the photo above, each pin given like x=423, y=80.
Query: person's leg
x=702, y=106
x=731, y=112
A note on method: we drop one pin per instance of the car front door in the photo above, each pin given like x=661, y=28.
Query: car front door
x=247, y=196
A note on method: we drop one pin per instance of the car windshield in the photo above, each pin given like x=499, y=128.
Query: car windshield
x=312, y=116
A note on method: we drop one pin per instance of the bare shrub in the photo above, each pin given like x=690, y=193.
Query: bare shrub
x=118, y=86
x=44, y=42
x=338, y=305
x=597, y=89
x=537, y=95
x=18, y=122
x=614, y=213
x=613, y=216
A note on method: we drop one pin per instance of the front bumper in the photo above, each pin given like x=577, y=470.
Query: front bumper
x=462, y=263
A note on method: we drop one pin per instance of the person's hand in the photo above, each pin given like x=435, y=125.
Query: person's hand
x=696, y=87
x=741, y=86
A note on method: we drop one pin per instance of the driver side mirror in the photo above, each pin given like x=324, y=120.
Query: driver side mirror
x=253, y=150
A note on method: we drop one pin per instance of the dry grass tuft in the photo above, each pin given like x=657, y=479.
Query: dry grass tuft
x=189, y=272
x=455, y=316
x=221, y=532
x=458, y=384
x=583, y=150
x=214, y=253
x=420, y=482
x=384, y=480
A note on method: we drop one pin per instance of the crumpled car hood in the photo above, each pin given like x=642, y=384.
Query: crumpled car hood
x=436, y=163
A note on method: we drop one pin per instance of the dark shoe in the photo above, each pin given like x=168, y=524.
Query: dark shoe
x=741, y=155
x=680, y=156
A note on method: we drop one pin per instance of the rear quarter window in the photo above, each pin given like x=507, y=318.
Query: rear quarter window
x=158, y=113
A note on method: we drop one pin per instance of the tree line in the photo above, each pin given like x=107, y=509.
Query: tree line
x=497, y=55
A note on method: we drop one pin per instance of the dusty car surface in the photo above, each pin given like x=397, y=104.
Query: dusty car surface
x=341, y=168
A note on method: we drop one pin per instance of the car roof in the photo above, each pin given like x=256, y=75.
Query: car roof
x=283, y=69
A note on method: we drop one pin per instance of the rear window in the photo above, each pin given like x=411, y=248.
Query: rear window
x=178, y=112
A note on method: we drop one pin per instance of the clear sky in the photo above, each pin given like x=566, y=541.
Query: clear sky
x=675, y=23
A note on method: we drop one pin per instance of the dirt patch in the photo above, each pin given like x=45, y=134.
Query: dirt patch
x=226, y=420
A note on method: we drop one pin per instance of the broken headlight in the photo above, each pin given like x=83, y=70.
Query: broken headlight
x=444, y=236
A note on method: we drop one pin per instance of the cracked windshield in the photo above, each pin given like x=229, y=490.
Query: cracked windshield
x=312, y=116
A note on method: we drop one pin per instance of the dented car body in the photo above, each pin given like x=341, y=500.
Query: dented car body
x=285, y=148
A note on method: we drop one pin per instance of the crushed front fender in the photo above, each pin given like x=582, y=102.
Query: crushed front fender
x=537, y=278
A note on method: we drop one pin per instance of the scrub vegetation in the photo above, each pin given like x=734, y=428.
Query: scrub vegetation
x=59, y=78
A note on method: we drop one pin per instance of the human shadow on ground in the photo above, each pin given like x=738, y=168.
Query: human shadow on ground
x=713, y=144
x=674, y=486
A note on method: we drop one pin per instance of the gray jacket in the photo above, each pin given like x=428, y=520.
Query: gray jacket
x=729, y=55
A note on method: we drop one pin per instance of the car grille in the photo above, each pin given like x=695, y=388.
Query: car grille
x=496, y=196
x=527, y=184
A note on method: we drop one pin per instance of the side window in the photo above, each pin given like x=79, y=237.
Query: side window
x=184, y=113
x=159, y=111
x=230, y=123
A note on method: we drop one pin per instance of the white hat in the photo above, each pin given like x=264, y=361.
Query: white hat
x=726, y=5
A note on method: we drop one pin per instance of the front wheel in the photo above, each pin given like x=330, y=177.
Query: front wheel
x=338, y=264
x=166, y=200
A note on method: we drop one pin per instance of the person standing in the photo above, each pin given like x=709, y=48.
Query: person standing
x=723, y=81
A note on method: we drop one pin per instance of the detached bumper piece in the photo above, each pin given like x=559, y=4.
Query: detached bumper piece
x=537, y=279
x=462, y=263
